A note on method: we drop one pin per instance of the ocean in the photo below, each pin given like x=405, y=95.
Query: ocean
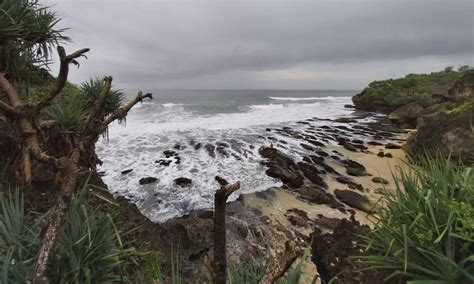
x=192, y=122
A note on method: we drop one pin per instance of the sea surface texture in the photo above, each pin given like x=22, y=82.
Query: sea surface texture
x=204, y=134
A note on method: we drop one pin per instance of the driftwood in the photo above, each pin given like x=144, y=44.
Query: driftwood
x=68, y=167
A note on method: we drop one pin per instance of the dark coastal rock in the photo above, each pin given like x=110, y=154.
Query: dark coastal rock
x=349, y=106
x=349, y=147
x=281, y=166
x=298, y=217
x=222, y=151
x=197, y=146
x=374, y=143
x=124, y=172
x=179, y=146
x=322, y=153
x=169, y=153
x=354, y=199
x=345, y=120
x=354, y=168
x=449, y=134
x=392, y=146
x=308, y=147
x=163, y=162
x=381, y=154
x=319, y=196
x=332, y=252
x=210, y=149
x=278, y=157
x=380, y=180
x=147, y=180
x=315, y=142
x=183, y=182
x=350, y=183
x=289, y=177
x=312, y=173
x=388, y=155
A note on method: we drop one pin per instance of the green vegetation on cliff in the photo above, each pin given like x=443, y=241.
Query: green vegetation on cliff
x=390, y=94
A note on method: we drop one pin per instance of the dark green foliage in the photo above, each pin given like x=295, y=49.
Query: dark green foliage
x=91, y=90
x=19, y=240
x=89, y=248
x=393, y=93
x=69, y=110
x=73, y=105
x=27, y=35
x=426, y=232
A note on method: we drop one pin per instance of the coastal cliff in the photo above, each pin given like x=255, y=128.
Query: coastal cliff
x=438, y=105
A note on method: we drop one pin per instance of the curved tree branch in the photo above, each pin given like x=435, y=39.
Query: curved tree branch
x=8, y=89
x=122, y=112
x=62, y=76
x=98, y=107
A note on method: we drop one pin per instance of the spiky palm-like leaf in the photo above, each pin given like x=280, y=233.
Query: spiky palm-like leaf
x=91, y=90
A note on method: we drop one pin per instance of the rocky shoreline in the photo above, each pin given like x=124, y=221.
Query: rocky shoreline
x=335, y=183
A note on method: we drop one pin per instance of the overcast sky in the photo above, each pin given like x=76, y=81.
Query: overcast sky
x=263, y=44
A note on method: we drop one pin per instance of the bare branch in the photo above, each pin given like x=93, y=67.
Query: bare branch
x=97, y=109
x=62, y=76
x=122, y=112
x=219, y=262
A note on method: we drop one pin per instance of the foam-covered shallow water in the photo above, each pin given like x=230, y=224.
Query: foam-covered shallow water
x=234, y=123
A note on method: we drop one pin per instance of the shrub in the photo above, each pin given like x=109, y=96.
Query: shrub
x=89, y=248
x=426, y=232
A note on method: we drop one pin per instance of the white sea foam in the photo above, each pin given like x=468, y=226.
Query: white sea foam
x=151, y=129
x=171, y=105
x=307, y=98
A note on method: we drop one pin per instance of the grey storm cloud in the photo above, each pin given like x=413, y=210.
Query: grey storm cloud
x=266, y=44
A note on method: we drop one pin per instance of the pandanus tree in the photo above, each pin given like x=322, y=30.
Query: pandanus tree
x=54, y=128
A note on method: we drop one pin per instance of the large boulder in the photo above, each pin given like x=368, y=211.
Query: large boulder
x=354, y=199
x=281, y=166
x=354, y=168
x=450, y=134
x=406, y=115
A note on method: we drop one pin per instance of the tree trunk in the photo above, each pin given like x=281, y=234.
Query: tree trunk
x=68, y=176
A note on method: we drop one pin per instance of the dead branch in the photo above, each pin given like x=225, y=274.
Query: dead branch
x=281, y=264
x=218, y=266
x=97, y=109
x=123, y=111
x=65, y=60
x=68, y=176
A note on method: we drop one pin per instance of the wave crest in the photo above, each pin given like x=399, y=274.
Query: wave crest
x=306, y=98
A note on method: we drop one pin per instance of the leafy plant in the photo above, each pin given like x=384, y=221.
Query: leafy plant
x=426, y=232
x=68, y=111
x=91, y=90
x=89, y=248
